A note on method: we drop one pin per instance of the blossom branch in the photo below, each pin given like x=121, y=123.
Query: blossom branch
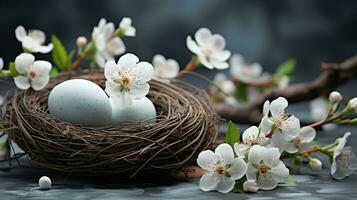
x=332, y=76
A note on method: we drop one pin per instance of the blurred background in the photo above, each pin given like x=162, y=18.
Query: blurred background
x=268, y=32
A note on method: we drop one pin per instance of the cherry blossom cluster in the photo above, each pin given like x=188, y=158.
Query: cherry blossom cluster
x=255, y=159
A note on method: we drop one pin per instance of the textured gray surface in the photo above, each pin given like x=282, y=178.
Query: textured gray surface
x=21, y=183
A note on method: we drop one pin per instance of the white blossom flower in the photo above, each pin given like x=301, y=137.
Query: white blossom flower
x=250, y=186
x=32, y=40
x=265, y=167
x=165, y=68
x=107, y=44
x=315, y=164
x=1, y=63
x=252, y=136
x=127, y=79
x=344, y=160
x=301, y=141
x=210, y=49
x=127, y=28
x=33, y=73
x=226, y=85
x=284, y=126
x=243, y=71
x=222, y=169
x=318, y=111
x=335, y=97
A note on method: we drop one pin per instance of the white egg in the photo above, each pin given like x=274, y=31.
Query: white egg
x=44, y=183
x=80, y=101
x=141, y=110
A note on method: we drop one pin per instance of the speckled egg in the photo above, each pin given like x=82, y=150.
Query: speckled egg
x=81, y=102
x=141, y=110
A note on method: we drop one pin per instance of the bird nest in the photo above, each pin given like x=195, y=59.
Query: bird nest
x=186, y=125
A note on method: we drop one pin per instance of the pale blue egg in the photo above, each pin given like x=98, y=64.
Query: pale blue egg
x=81, y=102
x=141, y=110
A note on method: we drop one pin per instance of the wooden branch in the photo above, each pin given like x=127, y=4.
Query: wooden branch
x=332, y=76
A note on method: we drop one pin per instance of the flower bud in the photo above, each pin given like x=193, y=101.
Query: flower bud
x=250, y=186
x=81, y=41
x=335, y=97
x=315, y=164
x=353, y=104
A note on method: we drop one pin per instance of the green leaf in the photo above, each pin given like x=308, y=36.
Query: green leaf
x=242, y=91
x=232, y=135
x=286, y=68
x=13, y=70
x=59, y=54
x=53, y=72
x=238, y=188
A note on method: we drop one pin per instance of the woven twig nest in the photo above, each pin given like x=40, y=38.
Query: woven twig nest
x=186, y=125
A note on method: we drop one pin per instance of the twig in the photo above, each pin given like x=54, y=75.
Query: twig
x=332, y=76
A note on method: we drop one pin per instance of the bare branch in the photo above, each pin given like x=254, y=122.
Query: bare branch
x=332, y=76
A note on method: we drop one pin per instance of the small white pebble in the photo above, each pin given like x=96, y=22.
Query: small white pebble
x=44, y=183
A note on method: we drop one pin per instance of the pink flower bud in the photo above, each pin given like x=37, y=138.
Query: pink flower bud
x=81, y=41
x=335, y=97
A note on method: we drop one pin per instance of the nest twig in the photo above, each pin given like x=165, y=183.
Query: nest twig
x=185, y=125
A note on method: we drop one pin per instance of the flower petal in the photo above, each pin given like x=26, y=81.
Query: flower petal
x=42, y=78
x=290, y=128
x=219, y=65
x=290, y=148
x=266, y=181
x=251, y=172
x=192, y=45
x=238, y=169
x=250, y=135
x=20, y=33
x=218, y=42
x=307, y=134
x=44, y=49
x=256, y=154
x=37, y=35
x=22, y=82
x=139, y=91
x=266, y=107
x=278, y=141
x=226, y=151
x=207, y=160
x=203, y=36
x=221, y=55
x=120, y=99
x=145, y=70
x=209, y=181
x=158, y=60
x=266, y=125
x=1, y=63
x=172, y=68
x=240, y=149
x=111, y=70
x=100, y=60
x=128, y=60
x=278, y=106
x=225, y=185
x=280, y=172
x=115, y=46
x=203, y=60
x=23, y=62
x=271, y=157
